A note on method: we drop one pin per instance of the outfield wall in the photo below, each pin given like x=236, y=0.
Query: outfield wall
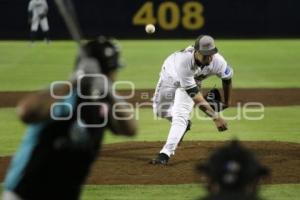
x=174, y=19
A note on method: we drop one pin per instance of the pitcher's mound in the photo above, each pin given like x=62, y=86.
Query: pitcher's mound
x=128, y=163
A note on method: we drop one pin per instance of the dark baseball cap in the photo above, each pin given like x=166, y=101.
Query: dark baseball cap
x=205, y=44
x=233, y=166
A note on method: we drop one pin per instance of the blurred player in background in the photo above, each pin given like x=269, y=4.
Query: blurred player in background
x=178, y=90
x=38, y=10
x=233, y=173
x=56, y=155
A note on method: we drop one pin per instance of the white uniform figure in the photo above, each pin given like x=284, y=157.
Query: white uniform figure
x=179, y=73
x=38, y=10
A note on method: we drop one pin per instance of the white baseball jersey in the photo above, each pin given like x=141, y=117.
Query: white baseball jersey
x=179, y=73
x=38, y=7
x=180, y=69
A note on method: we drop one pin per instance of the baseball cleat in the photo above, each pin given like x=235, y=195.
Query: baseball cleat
x=161, y=159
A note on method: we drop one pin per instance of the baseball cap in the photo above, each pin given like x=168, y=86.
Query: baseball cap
x=205, y=44
x=233, y=166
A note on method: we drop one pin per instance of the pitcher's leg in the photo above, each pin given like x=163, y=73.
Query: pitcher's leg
x=183, y=106
x=163, y=100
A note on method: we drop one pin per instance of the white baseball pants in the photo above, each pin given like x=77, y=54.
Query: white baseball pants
x=42, y=22
x=176, y=105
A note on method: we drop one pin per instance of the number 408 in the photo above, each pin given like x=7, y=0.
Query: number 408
x=169, y=16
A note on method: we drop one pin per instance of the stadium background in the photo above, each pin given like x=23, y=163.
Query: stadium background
x=258, y=38
x=174, y=19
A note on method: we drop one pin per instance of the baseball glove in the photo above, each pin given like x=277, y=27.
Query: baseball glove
x=213, y=97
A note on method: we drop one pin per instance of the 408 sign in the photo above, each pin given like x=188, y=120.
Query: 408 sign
x=170, y=15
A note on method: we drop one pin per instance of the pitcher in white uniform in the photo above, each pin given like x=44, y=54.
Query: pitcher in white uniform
x=178, y=90
x=38, y=10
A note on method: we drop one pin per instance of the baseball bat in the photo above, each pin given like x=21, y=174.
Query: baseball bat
x=68, y=13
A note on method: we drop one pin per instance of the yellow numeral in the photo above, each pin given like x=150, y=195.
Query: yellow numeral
x=192, y=16
x=174, y=11
x=144, y=15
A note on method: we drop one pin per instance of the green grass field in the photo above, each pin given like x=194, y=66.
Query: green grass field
x=279, y=124
x=257, y=64
x=175, y=192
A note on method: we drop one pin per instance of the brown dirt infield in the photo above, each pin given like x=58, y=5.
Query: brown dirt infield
x=127, y=163
x=268, y=97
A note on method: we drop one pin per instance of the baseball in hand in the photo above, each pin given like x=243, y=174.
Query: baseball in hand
x=150, y=28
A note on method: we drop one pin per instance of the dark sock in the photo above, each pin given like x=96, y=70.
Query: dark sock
x=33, y=35
x=46, y=34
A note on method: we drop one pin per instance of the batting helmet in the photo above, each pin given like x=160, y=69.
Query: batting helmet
x=106, y=51
x=233, y=167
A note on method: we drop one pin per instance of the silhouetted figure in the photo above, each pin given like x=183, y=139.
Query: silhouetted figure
x=233, y=173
